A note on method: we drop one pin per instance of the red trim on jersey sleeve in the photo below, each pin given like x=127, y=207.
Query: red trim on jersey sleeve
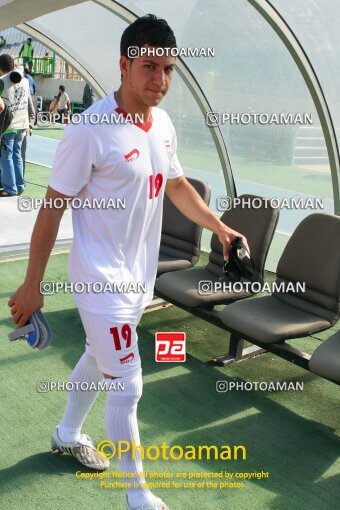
x=145, y=127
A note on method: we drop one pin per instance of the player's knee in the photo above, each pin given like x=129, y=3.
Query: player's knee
x=128, y=392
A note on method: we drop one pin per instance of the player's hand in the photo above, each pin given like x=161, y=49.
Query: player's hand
x=26, y=300
x=2, y=105
x=226, y=237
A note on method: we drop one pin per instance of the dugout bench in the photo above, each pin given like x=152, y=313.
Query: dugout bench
x=181, y=238
x=312, y=255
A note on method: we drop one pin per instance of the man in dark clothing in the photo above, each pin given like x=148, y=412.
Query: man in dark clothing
x=88, y=96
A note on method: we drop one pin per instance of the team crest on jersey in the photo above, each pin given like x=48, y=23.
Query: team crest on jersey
x=131, y=156
x=167, y=147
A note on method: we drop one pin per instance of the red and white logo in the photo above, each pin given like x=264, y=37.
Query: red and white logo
x=127, y=358
x=170, y=347
x=131, y=156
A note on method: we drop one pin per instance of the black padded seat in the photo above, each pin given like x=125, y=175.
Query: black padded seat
x=181, y=238
x=269, y=320
x=258, y=225
x=183, y=287
x=168, y=264
x=325, y=360
x=312, y=256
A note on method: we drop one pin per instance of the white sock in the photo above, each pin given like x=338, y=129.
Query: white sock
x=121, y=425
x=79, y=402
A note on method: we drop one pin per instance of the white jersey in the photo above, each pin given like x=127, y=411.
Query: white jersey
x=127, y=164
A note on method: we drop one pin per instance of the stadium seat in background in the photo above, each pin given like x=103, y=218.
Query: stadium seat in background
x=312, y=255
x=181, y=238
x=325, y=360
x=257, y=224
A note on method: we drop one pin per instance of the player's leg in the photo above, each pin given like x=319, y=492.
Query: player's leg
x=103, y=353
x=113, y=344
x=79, y=402
x=121, y=410
x=67, y=436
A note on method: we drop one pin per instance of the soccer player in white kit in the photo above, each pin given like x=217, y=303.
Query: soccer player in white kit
x=135, y=162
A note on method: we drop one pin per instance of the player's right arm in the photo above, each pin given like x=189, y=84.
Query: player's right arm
x=75, y=157
x=27, y=299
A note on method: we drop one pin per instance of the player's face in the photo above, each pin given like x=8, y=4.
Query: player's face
x=148, y=77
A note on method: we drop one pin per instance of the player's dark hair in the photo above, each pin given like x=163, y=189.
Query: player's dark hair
x=62, y=88
x=147, y=30
x=6, y=63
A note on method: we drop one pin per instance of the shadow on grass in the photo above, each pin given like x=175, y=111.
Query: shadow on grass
x=184, y=408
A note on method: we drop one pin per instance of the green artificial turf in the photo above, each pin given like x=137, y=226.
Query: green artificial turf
x=36, y=178
x=292, y=435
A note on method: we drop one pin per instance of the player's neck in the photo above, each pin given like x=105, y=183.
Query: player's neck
x=130, y=105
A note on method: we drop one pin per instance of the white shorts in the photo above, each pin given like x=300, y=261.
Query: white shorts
x=113, y=342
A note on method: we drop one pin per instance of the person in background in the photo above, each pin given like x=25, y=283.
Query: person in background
x=26, y=52
x=2, y=41
x=53, y=105
x=31, y=119
x=88, y=96
x=64, y=104
x=33, y=90
x=30, y=81
x=47, y=64
x=2, y=107
x=11, y=161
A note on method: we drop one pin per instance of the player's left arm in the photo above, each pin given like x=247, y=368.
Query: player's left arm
x=188, y=201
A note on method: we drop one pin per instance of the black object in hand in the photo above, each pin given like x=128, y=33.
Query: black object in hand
x=240, y=264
